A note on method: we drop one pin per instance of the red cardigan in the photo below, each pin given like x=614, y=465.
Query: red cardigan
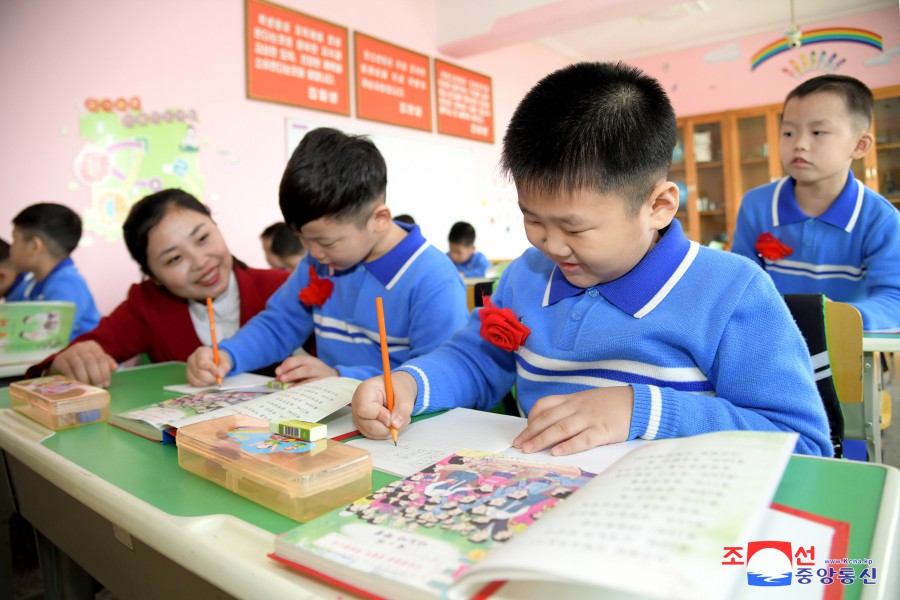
x=155, y=322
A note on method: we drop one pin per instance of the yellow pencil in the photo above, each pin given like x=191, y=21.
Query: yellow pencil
x=386, y=363
x=212, y=332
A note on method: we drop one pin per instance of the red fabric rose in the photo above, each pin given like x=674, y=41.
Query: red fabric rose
x=771, y=248
x=318, y=291
x=500, y=327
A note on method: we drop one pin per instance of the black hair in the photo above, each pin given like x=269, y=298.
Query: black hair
x=331, y=174
x=269, y=231
x=146, y=214
x=408, y=219
x=602, y=126
x=59, y=226
x=285, y=242
x=462, y=233
x=4, y=251
x=856, y=95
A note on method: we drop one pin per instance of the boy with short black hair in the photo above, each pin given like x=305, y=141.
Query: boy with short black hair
x=469, y=262
x=615, y=326
x=820, y=230
x=44, y=236
x=7, y=272
x=333, y=195
x=282, y=247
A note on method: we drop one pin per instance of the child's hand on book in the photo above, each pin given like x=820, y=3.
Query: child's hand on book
x=202, y=370
x=86, y=362
x=571, y=423
x=303, y=369
x=370, y=413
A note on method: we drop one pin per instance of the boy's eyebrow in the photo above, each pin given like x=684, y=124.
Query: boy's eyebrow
x=173, y=248
x=572, y=219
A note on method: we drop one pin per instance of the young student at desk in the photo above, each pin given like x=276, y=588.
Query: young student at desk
x=469, y=262
x=44, y=236
x=333, y=194
x=820, y=230
x=615, y=326
x=171, y=235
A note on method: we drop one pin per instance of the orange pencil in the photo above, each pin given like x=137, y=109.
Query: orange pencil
x=386, y=363
x=212, y=332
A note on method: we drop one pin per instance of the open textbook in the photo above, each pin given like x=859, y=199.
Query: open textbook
x=646, y=527
x=32, y=331
x=314, y=402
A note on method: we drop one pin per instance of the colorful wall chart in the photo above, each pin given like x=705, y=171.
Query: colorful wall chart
x=130, y=152
x=296, y=59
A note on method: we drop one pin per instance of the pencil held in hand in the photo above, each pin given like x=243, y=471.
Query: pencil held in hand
x=212, y=333
x=386, y=364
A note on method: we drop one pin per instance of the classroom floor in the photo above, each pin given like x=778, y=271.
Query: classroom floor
x=28, y=586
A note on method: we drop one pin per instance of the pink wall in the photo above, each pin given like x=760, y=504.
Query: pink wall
x=190, y=54
x=717, y=77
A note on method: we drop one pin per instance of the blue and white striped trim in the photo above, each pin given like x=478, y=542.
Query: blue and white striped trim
x=406, y=265
x=671, y=282
x=425, y=392
x=337, y=329
x=815, y=271
x=775, y=195
x=655, y=416
x=605, y=373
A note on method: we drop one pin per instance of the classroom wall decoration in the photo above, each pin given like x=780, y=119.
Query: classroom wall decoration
x=296, y=59
x=818, y=36
x=130, y=152
x=464, y=102
x=393, y=84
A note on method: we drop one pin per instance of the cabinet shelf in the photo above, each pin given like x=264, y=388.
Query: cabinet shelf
x=712, y=213
x=755, y=160
x=715, y=164
x=887, y=145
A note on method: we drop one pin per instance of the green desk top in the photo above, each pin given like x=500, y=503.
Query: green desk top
x=150, y=471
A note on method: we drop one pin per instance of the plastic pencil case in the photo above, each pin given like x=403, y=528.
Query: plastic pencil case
x=298, y=479
x=59, y=402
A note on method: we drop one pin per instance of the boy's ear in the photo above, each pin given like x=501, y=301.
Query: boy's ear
x=863, y=145
x=382, y=217
x=663, y=204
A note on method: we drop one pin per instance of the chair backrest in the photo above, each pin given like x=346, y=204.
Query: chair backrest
x=833, y=334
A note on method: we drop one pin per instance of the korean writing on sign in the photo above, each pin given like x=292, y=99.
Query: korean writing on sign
x=296, y=59
x=464, y=102
x=393, y=85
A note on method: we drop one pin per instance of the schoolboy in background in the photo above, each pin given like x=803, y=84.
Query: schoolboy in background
x=333, y=194
x=44, y=235
x=820, y=230
x=614, y=326
x=469, y=262
x=7, y=272
x=282, y=247
x=408, y=219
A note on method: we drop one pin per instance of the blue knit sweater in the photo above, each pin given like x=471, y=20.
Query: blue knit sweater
x=424, y=302
x=850, y=253
x=701, y=336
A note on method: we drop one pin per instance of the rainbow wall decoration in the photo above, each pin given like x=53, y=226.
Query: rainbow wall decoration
x=818, y=36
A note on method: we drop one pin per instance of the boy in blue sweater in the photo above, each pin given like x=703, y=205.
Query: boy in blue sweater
x=333, y=195
x=469, y=262
x=820, y=230
x=614, y=326
x=44, y=235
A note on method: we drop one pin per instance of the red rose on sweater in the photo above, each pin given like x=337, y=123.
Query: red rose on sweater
x=500, y=327
x=318, y=291
x=771, y=248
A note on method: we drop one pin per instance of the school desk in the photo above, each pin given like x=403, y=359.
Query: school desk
x=869, y=421
x=120, y=507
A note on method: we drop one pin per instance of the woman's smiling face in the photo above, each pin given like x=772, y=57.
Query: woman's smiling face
x=187, y=255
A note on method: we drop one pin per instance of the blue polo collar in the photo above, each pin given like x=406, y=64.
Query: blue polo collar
x=390, y=267
x=842, y=213
x=36, y=288
x=640, y=290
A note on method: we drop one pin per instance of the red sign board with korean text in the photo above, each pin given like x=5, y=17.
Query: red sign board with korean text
x=465, y=106
x=296, y=59
x=393, y=84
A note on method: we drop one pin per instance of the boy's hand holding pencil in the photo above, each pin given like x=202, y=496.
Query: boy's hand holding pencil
x=370, y=413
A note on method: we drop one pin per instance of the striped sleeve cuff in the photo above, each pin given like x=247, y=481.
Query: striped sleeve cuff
x=647, y=414
x=423, y=397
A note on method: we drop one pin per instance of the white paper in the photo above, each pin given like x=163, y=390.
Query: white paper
x=308, y=402
x=339, y=422
x=425, y=442
x=228, y=383
x=594, y=460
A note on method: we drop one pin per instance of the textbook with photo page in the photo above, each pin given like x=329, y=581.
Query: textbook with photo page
x=647, y=526
x=32, y=331
x=311, y=402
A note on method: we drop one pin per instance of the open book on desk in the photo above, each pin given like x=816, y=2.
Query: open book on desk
x=313, y=402
x=647, y=526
